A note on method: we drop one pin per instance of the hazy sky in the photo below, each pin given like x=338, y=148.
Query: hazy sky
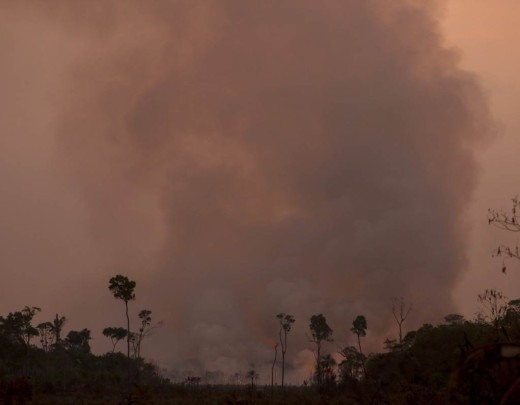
x=486, y=35
x=239, y=159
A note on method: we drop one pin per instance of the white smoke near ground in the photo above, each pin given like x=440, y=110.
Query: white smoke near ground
x=240, y=159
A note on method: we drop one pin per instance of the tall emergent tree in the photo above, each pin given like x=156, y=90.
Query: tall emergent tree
x=286, y=322
x=123, y=289
x=359, y=328
x=321, y=332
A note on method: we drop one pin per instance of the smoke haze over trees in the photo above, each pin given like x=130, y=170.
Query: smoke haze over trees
x=242, y=159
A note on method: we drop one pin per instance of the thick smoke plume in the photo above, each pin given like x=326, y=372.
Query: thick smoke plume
x=245, y=158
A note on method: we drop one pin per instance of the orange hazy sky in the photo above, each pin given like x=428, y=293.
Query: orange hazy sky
x=89, y=96
x=487, y=34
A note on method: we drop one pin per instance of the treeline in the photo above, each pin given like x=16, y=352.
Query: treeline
x=459, y=361
x=43, y=363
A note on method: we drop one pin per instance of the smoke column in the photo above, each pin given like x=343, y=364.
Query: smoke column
x=239, y=159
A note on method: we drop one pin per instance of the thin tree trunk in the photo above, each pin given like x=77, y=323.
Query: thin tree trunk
x=283, y=368
x=127, y=332
x=272, y=370
x=318, y=366
x=283, y=353
x=128, y=350
x=283, y=358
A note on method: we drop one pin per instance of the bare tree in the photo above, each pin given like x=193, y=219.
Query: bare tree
x=495, y=306
x=401, y=311
x=508, y=221
x=146, y=328
x=286, y=322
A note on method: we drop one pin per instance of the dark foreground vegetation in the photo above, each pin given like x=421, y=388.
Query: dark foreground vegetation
x=459, y=361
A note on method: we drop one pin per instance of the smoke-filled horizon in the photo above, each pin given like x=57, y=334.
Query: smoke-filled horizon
x=237, y=159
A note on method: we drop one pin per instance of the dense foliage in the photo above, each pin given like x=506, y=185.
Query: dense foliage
x=459, y=361
x=428, y=366
x=65, y=370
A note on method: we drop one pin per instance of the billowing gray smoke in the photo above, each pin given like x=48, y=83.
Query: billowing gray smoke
x=245, y=158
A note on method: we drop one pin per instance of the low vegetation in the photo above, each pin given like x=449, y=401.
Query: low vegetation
x=459, y=361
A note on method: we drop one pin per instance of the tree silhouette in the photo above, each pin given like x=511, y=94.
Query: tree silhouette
x=252, y=375
x=115, y=335
x=508, y=222
x=454, y=319
x=286, y=322
x=145, y=329
x=123, y=289
x=18, y=329
x=359, y=327
x=17, y=325
x=354, y=364
x=272, y=368
x=29, y=331
x=401, y=312
x=327, y=365
x=57, y=327
x=495, y=306
x=46, y=335
x=320, y=332
x=78, y=340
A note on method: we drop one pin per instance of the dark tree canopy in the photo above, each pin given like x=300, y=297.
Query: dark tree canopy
x=122, y=288
x=359, y=326
x=320, y=330
x=115, y=334
x=286, y=321
x=78, y=340
x=17, y=325
x=454, y=319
